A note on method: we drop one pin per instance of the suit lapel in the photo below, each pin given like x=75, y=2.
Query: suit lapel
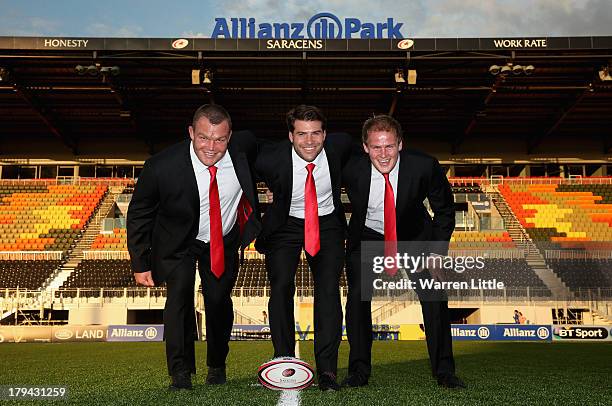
x=403, y=184
x=364, y=178
x=285, y=175
x=333, y=161
x=241, y=166
x=191, y=185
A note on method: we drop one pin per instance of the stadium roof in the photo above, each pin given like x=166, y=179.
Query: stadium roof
x=455, y=96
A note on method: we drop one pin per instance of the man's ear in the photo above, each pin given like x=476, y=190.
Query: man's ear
x=191, y=134
x=365, y=148
x=291, y=137
x=400, y=146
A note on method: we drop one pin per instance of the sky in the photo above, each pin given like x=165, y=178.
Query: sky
x=420, y=18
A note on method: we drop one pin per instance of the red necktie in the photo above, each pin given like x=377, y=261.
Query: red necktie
x=217, y=256
x=390, y=229
x=312, y=244
x=244, y=211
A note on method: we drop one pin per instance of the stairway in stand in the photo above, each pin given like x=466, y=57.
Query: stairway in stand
x=534, y=257
x=84, y=243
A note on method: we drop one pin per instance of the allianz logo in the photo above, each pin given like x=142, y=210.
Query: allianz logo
x=482, y=332
x=149, y=333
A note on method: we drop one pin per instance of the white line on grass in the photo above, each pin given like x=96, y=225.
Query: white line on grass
x=291, y=397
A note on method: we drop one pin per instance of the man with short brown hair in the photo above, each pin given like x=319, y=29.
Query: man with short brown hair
x=304, y=175
x=195, y=202
x=387, y=188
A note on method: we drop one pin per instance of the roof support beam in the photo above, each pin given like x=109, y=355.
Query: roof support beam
x=45, y=117
x=535, y=142
x=470, y=127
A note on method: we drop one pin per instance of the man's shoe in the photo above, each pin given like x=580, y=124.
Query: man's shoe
x=327, y=382
x=450, y=382
x=216, y=376
x=354, y=380
x=180, y=380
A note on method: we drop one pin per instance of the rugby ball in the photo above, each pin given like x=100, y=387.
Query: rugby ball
x=285, y=373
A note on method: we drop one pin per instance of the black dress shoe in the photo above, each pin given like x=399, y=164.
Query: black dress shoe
x=451, y=382
x=216, y=376
x=327, y=382
x=355, y=379
x=181, y=380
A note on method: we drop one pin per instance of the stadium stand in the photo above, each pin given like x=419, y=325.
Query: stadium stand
x=45, y=217
x=101, y=273
x=568, y=220
x=50, y=217
x=26, y=274
x=117, y=240
x=481, y=240
x=41, y=217
x=583, y=273
x=564, y=214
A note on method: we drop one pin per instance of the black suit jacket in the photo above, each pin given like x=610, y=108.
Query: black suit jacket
x=275, y=167
x=164, y=213
x=420, y=176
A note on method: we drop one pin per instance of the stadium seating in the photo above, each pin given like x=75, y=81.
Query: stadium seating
x=252, y=275
x=514, y=273
x=101, y=273
x=117, y=241
x=493, y=240
x=568, y=218
x=45, y=217
x=564, y=214
x=26, y=274
x=584, y=273
x=466, y=185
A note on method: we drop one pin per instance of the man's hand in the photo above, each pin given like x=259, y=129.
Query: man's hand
x=269, y=196
x=436, y=272
x=144, y=279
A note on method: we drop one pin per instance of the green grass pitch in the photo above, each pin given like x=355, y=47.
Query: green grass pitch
x=496, y=374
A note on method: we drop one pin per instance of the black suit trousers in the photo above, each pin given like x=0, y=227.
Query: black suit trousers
x=281, y=263
x=436, y=318
x=179, y=313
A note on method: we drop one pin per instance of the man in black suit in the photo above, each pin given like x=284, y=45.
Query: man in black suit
x=304, y=175
x=195, y=201
x=387, y=188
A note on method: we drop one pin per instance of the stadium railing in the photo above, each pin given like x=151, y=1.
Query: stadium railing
x=31, y=255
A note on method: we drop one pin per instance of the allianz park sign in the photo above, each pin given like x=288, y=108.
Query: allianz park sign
x=319, y=26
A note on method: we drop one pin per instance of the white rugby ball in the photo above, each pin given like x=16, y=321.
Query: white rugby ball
x=285, y=373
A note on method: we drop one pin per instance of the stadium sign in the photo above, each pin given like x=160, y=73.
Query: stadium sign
x=581, y=333
x=495, y=332
x=319, y=26
x=78, y=333
x=65, y=43
x=135, y=332
x=354, y=43
x=520, y=43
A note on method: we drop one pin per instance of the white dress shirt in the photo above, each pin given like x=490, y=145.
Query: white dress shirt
x=322, y=178
x=230, y=193
x=375, y=217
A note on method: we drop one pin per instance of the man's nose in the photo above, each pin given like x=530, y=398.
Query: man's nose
x=209, y=145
